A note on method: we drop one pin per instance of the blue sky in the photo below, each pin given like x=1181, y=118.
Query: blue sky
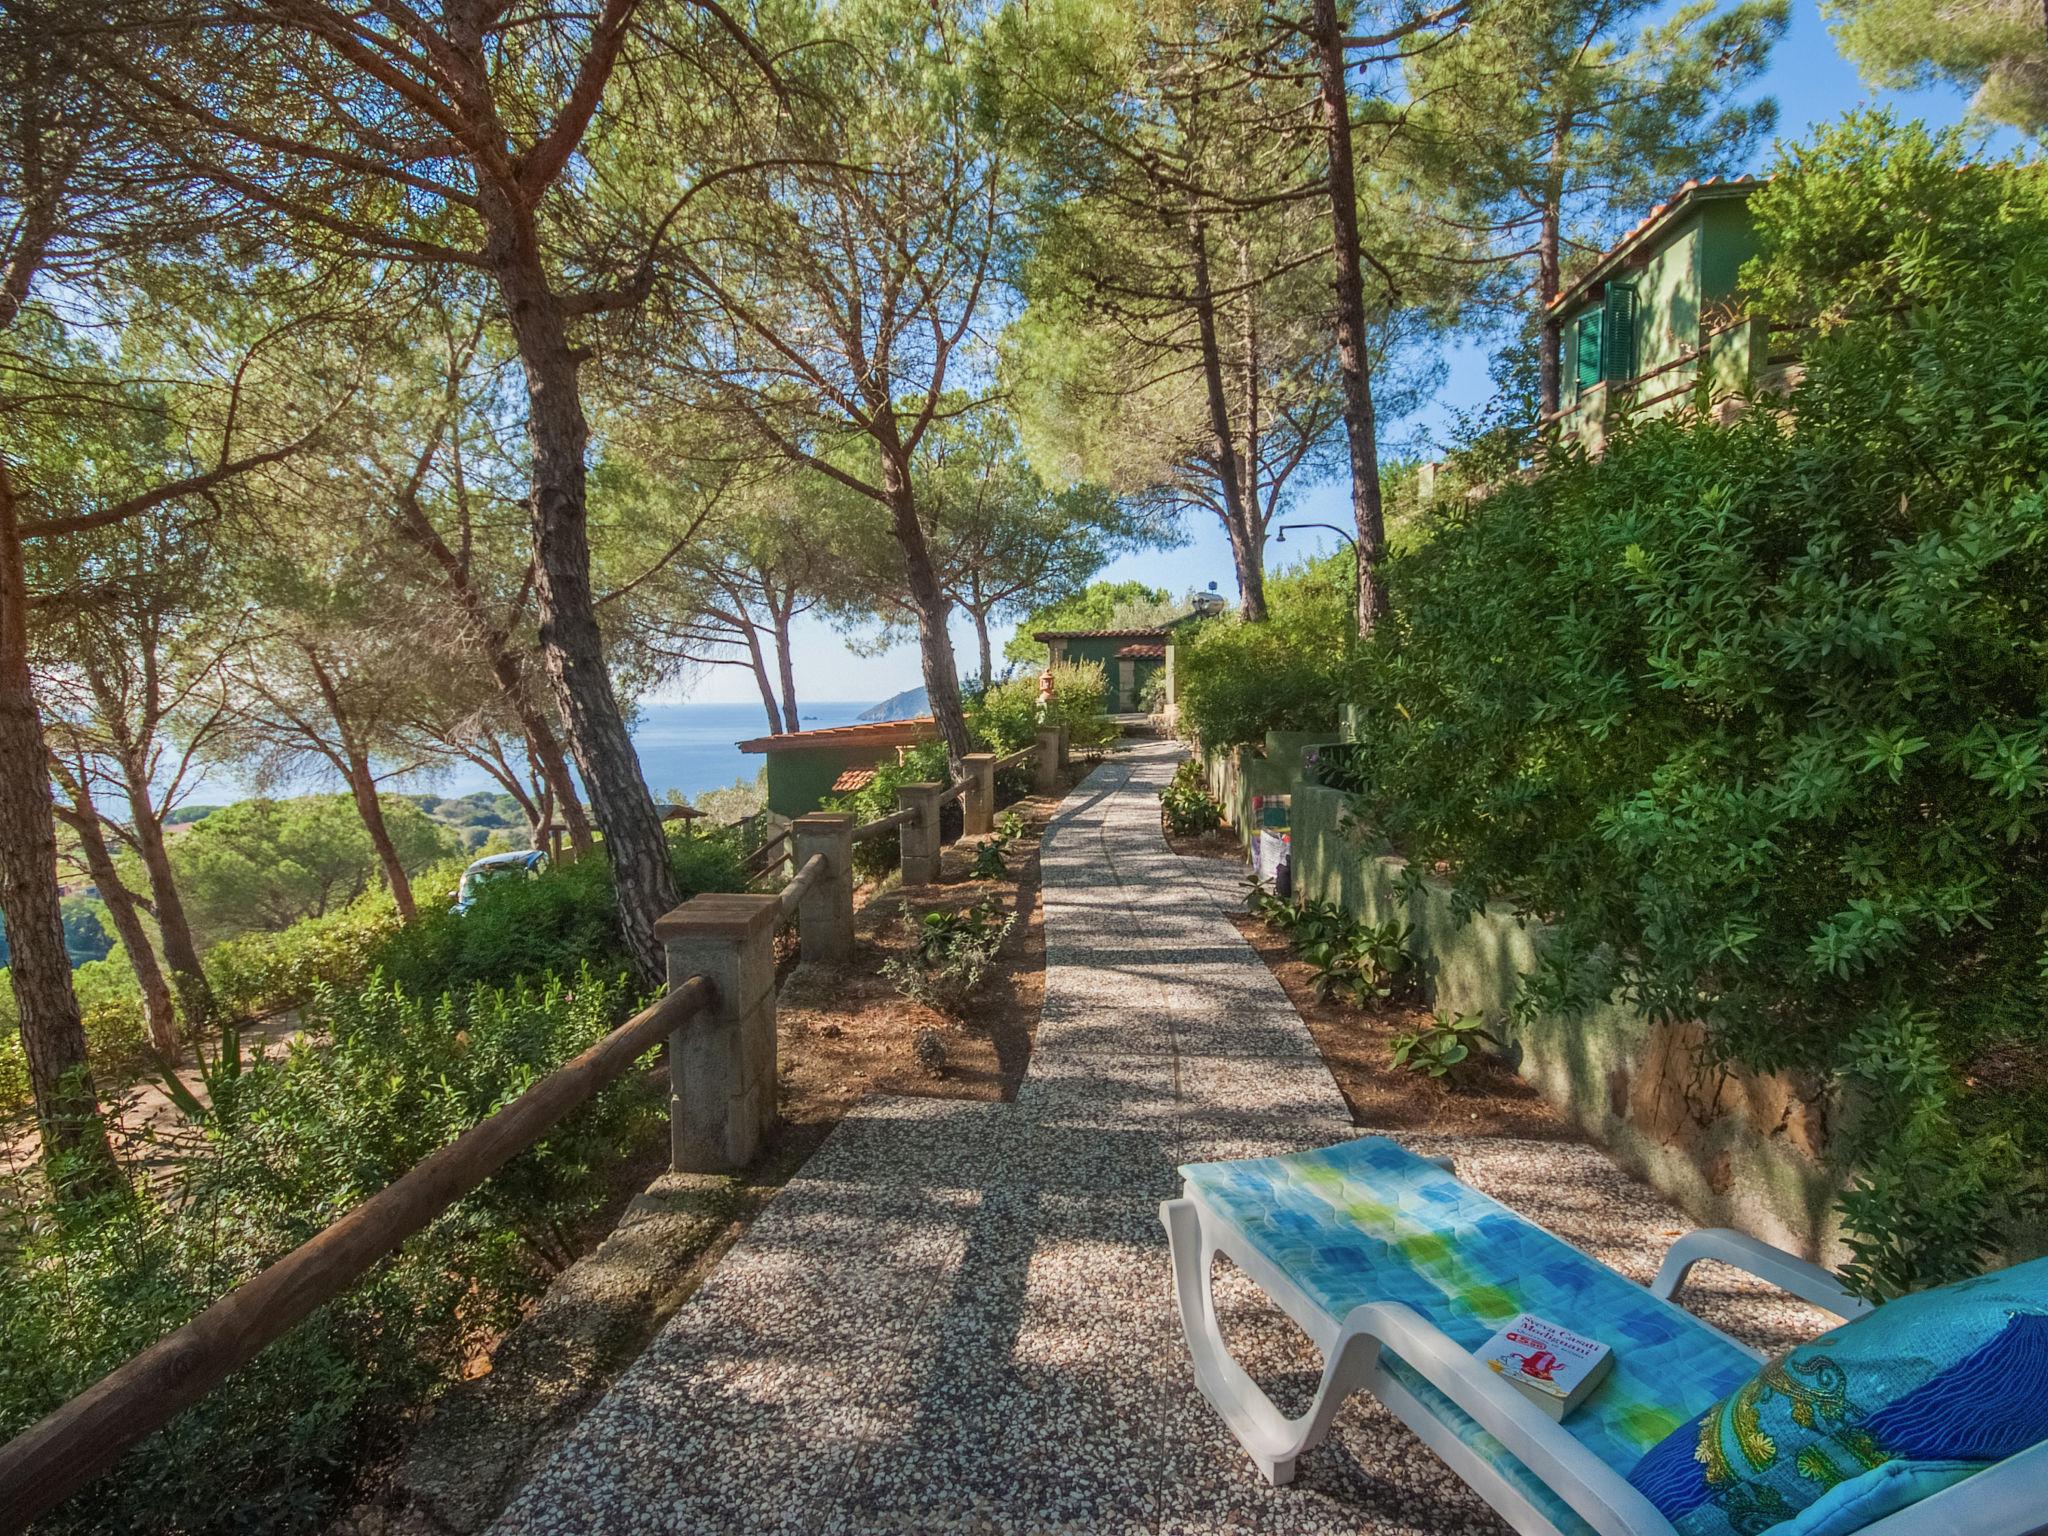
x=1812, y=83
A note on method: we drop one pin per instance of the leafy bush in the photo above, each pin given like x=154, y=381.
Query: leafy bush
x=549, y=925
x=988, y=860
x=1008, y=716
x=1445, y=1046
x=292, y=1144
x=952, y=956
x=1367, y=964
x=1236, y=681
x=924, y=763
x=263, y=973
x=1188, y=806
x=1754, y=712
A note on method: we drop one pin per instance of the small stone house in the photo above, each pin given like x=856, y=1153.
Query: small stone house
x=1129, y=657
x=1656, y=316
x=804, y=767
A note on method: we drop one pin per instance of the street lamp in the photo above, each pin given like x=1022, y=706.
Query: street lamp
x=1286, y=528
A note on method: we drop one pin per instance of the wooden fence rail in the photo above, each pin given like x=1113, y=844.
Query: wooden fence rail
x=51, y=1460
x=805, y=878
x=757, y=862
x=881, y=824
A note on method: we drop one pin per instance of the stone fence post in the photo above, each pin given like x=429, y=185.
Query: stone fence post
x=1066, y=744
x=824, y=916
x=978, y=807
x=919, y=837
x=1046, y=765
x=721, y=1062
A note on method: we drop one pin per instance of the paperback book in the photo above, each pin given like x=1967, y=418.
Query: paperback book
x=1550, y=1365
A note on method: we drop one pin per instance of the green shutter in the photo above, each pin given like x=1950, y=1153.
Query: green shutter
x=1620, y=333
x=1587, y=374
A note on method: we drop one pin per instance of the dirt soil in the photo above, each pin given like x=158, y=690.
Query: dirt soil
x=846, y=1032
x=1486, y=1098
x=1220, y=843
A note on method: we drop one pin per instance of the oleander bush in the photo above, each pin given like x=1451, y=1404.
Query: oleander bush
x=1753, y=713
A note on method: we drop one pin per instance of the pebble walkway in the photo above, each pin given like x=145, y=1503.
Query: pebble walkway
x=957, y=1319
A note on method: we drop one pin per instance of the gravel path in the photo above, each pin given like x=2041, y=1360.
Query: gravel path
x=957, y=1318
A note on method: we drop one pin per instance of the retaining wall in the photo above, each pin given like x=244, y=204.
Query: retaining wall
x=1732, y=1148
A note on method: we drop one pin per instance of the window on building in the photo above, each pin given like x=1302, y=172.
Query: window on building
x=1618, y=332
x=1586, y=362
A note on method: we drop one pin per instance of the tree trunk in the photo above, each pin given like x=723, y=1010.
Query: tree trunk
x=362, y=788
x=1248, y=340
x=1551, y=333
x=934, y=642
x=571, y=643
x=988, y=658
x=159, y=1012
x=546, y=752
x=759, y=662
x=507, y=668
x=1353, y=363
x=1550, y=273
x=76, y=1153
x=1244, y=545
x=785, y=667
x=181, y=949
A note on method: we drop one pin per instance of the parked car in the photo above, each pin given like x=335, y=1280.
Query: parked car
x=522, y=865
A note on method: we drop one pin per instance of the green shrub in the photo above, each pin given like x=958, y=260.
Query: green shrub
x=1366, y=964
x=1187, y=804
x=293, y=1143
x=109, y=1006
x=953, y=955
x=924, y=763
x=1444, y=1047
x=1236, y=681
x=1004, y=718
x=264, y=973
x=1008, y=716
x=1754, y=712
x=548, y=925
x=1079, y=690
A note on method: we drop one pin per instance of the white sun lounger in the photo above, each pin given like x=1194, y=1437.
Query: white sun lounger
x=1375, y=1253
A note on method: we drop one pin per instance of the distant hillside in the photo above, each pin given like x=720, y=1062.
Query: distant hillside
x=907, y=705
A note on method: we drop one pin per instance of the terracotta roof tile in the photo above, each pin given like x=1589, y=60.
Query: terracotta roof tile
x=852, y=779
x=1142, y=653
x=1155, y=633
x=878, y=733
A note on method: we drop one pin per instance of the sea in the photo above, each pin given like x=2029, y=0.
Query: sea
x=686, y=747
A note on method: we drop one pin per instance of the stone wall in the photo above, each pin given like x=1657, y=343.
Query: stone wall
x=1732, y=1148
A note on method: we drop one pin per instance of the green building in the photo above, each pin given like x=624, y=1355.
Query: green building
x=803, y=767
x=1657, y=315
x=1129, y=657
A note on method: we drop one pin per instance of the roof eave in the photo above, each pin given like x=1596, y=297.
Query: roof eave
x=1645, y=232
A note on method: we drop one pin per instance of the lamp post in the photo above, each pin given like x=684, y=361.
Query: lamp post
x=1286, y=528
x=1351, y=631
